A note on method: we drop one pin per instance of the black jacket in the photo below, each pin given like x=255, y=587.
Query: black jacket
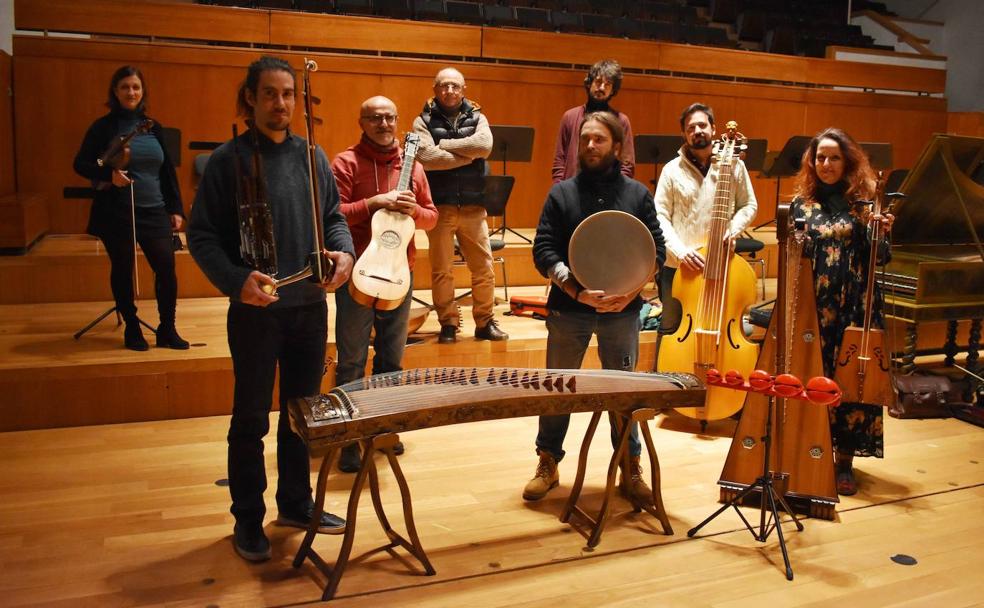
x=568, y=204
x=111, y=208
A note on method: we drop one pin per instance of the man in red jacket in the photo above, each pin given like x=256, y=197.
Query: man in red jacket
x=367, y=175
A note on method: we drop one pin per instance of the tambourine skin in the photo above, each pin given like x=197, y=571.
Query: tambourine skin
x=612, y=251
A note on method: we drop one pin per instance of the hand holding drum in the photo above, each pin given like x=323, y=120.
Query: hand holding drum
x=612, y=255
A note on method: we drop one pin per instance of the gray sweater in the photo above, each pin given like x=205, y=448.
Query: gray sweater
x=213, y=232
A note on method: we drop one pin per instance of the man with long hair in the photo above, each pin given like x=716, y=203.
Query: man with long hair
x=287, y=328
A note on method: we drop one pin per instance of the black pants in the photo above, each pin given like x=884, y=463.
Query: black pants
x=159, y=252
x=260, y=340
x=672, y=312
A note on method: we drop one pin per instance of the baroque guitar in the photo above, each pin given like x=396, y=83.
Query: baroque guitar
x=381, y=277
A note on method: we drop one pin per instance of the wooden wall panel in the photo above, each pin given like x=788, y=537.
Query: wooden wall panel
x=193, y=88
x=161, y=19
x=365, y=33
x=965, y=123
x=7, y=184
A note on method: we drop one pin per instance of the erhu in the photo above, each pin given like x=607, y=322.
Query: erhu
x=862, y=364
x=256, y=237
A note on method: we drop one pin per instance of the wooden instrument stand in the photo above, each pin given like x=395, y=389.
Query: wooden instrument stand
x=384, y=443
x=622, y=425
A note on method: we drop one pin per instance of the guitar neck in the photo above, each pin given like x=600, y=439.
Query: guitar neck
x=406, y=173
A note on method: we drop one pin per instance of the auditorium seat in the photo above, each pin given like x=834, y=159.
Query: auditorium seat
x=394, y=9
x=464, y=12
x=535, y=18
x=603, y=25
x=354, y=7
x=566, y=22
x=314, y=6
x=430, y=10
x=500, y=15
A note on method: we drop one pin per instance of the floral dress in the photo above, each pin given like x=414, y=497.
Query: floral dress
x=839, y=249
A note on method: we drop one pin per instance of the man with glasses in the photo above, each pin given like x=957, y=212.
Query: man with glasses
x=455, y=140
x=367, y=175
x=601, y=84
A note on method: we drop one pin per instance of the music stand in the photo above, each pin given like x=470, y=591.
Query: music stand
x=658, y=150
x=510, y=143
x=76, y=192
x=787, y=163
x=755, y=154
x=879, y=155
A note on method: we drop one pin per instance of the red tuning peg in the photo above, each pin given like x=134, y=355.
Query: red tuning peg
x=823, y=391
x=760, y=380
x=787, y=385
x=734, y=378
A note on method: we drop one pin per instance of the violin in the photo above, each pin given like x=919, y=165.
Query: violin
x=117, y=155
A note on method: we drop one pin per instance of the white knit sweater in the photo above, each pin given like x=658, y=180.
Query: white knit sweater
x=684, y=199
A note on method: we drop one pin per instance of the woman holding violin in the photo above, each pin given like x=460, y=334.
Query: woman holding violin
x=833, y=185
x=123, y=153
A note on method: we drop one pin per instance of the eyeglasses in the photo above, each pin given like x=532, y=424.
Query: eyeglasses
x=454, y=87
x=378, y=119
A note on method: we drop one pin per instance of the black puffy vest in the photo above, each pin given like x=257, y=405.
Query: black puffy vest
x=464, y=185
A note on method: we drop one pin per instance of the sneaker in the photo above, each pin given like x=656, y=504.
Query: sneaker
x=133, y=337
x=168, y=336
x=251, y=543
x=330, y=523
x=491, y=331
x=349, y=461
x=545, y=479
x=632, y=486
x=448, y=334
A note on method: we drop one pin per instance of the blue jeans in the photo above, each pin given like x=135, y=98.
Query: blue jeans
x=353, y=325
x=568, y=335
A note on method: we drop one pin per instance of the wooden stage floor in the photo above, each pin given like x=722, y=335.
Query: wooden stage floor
x=130, y=515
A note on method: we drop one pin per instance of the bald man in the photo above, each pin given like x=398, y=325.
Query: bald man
x=455, y=140
x=367, y=175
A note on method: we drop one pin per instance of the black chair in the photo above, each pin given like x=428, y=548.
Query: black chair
x=657, y=30
x=603, y=25
x=314, y=6
x=534, y=18
x=394, y=9
x=566, y=22
x=502, y=16
x=430, y=10
x=751, y=26
x=354, y=7
x=464, y=12
x=284, y=5
x=748, y=248
x=628, y=27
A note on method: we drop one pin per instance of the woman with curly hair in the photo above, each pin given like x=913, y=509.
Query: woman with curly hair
x=834, y=176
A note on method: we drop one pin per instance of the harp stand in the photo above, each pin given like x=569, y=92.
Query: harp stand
x=333, y=572
x=768, y=503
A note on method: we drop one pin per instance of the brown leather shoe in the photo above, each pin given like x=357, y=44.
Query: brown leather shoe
x=632, y=485
x=545, y=479
x=447, y=334
x=491, y=331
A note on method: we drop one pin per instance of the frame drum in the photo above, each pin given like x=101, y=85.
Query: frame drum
x=612, y=251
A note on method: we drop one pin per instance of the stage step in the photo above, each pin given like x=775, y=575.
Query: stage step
x=23, y=219
x=49, y=379
x=75, y=268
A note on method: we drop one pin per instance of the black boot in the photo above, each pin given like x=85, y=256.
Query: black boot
x=133, y=337
x=167, y=336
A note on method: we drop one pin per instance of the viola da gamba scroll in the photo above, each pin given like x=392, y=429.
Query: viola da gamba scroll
x=800, y=430
x=711, y=333
x=414, y=399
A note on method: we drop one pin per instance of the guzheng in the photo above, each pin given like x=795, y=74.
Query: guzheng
x=423, y=398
